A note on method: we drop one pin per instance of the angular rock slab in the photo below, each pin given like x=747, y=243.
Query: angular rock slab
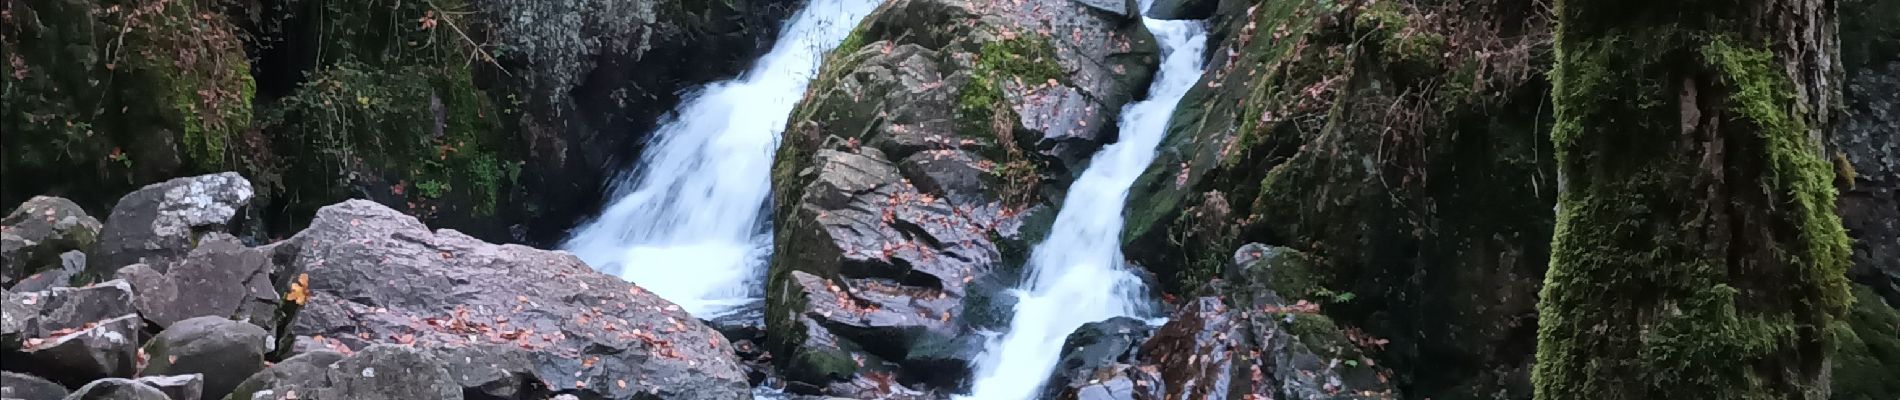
x=74, y=356
x=156, y=225
x=34, y=235
x=220, y=278
x=377, y=276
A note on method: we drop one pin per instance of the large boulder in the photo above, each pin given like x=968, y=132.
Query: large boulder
x=14, y=385
x=60, y=310
x=1102, y=361
x=157, y=225
x=381, y=372
x=493, y=371
x=223, y=351
x=73, y=356
x=377, y=276
x=33, y=236
x=178, y=387
x=118, y=389
x=918, y=168
x=219, y=278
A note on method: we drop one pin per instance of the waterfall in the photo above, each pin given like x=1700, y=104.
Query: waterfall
x=689, y=222
x=1077, y=274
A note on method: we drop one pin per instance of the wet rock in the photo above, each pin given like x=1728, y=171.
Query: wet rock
x=1199, y=350
x=73, y=356
x=1182, y=9
x=1300, y=353
x=117, y=389
x=179, y=387
x=14, y=385
x=493, y=372
x=34, y=235
x=225, y=352
x=220, y=278
x=1125, y=8
x=377, y=276
x=71, y=264
x=158, y=224
x=909, y=170
x=1101, y=360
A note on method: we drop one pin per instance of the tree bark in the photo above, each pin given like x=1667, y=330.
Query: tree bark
x=1697, y=253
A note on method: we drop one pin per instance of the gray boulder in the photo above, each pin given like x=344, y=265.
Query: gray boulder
x=157, y=225
x=382, y=372
x=493, y=372
x=34, y=235
x=117, y=389
x=1183, y=9
x=60, y=310
x=303, y=373
x=14, y=385
x=220, y=278
x=74, y=356
x=178, y=387
x=377, y=276
x=1100, y=361
x=225, y=352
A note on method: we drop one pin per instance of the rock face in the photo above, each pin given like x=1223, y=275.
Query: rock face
x=157, y=225
x=222, y=351
x=34, y=236
x=918, y=166
x=377, y=276
x=1408, y=156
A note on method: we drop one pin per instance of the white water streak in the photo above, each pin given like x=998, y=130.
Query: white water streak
x=1077, y=275
x=688, y=222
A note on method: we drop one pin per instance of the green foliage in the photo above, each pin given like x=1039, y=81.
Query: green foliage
x=428, y=123
x=1868, y=352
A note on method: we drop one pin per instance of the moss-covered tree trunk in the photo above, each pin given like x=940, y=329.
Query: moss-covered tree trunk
x=1697, y=253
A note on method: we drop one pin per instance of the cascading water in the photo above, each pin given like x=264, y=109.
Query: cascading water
x=1077, y=274
x=688, y=223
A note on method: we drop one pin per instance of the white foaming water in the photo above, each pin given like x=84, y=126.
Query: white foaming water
x=688, y=222
x=1076, y=274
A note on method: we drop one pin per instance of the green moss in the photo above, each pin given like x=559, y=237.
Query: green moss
x=1320, y=335
x=1635, y=305
x=1867, y=358
x=1763, y=97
